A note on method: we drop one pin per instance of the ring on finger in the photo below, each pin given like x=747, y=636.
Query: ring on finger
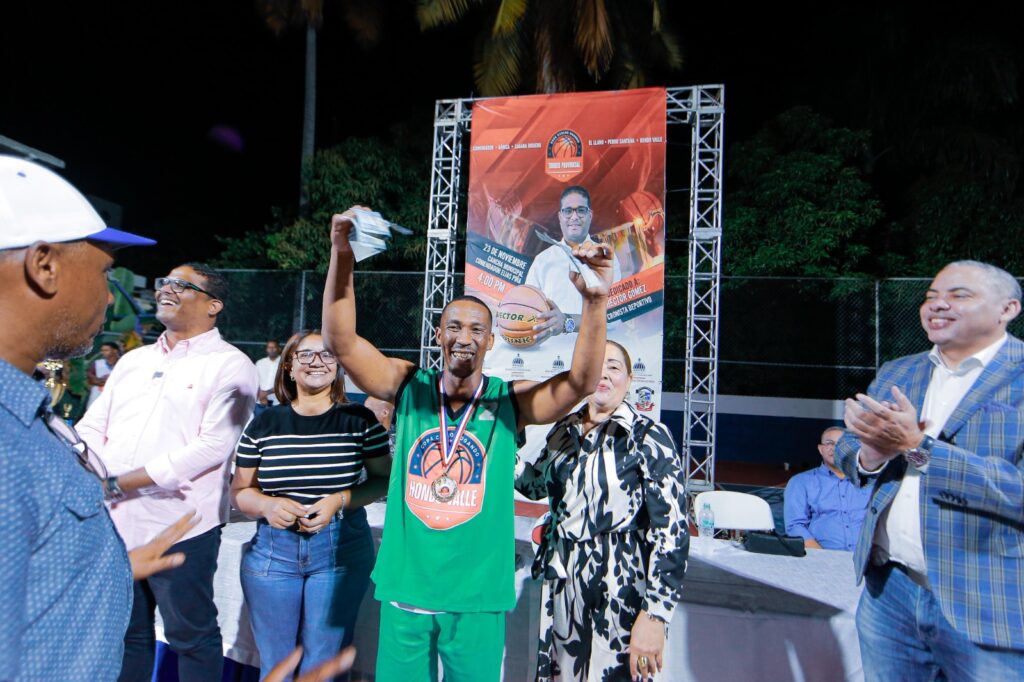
x=642, y=661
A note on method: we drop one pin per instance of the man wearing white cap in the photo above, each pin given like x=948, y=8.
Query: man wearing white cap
x=67, y=585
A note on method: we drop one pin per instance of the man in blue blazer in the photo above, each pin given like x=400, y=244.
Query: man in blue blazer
x=939, y=438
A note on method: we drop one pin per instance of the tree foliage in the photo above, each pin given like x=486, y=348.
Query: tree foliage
x=798, y=201
x=390, y=176
x=949, y=147
x=544, y=46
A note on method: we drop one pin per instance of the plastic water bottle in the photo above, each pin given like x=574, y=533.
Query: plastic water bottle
x=706, y=521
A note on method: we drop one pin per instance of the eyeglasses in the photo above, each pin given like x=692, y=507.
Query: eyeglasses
x=178, y=285
x=581, y=211
x=306, y=356
x=89, y=460
x=829, y=443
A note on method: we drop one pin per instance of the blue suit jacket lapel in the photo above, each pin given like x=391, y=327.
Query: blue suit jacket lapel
x=918, y=378
x=1004, y=366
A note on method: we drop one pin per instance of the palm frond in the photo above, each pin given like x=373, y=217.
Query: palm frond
x=626, y=73
x=313, y=12
x=366, y=19
x=673, y=51
x=554, y=72
x=552, y=24
x=594, y=36
x=545, y=80
x=434, y=13
x=498, y=70
x=509, y=16
x=281, y=14
x=276, y=14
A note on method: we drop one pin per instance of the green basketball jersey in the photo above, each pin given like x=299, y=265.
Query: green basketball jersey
x=456, y=555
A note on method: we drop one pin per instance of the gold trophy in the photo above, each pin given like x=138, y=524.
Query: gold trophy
x=56, y=383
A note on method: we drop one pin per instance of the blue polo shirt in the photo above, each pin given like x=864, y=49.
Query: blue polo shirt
x=822, y=506
x=65, y=580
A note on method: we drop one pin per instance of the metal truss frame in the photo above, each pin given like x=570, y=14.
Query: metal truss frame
x=451, y=120
x=702, y=107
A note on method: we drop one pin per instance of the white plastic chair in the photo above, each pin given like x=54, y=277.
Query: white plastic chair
x=736, y=511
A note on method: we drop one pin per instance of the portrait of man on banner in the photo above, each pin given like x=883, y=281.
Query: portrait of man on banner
x=549, y=172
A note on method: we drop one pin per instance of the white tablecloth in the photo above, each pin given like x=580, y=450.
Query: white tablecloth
x=744, y=617
x=764, y=617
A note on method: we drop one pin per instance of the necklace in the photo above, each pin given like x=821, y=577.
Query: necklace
x=444, y=487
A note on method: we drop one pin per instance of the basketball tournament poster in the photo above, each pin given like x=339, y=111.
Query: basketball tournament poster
x=525, y=154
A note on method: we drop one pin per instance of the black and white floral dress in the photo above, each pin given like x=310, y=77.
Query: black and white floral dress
x=618, y=541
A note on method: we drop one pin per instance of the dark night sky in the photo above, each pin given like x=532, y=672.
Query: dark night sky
x=127, y=92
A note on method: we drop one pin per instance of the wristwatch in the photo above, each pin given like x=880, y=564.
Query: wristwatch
x=112, y=491
x=920, y=455
x=570, y=325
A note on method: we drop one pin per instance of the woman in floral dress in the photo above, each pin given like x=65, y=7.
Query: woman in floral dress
x=614, y=554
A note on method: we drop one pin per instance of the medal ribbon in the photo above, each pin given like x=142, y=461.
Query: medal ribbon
x=449, y=448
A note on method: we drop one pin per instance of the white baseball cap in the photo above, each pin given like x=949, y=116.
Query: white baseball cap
x=37, y=205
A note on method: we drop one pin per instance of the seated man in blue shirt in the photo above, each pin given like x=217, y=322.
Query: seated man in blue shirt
x=822, y=506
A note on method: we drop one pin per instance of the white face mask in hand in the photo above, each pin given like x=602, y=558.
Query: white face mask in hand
x=369, y=232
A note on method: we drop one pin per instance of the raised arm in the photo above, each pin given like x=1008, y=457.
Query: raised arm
x=548, y=401
x=371, y=370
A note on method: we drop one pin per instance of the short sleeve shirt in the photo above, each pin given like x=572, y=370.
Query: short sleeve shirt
x=306, y=458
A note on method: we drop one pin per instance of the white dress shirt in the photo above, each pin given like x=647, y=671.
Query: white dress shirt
x=177, y=412
x=899, y=530
x=550, y=273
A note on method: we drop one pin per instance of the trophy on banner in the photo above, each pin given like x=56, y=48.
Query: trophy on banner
x=505, y=223
x=638, y=242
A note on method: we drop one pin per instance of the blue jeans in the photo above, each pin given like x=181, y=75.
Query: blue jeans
x=306, y=589
x=905, y=637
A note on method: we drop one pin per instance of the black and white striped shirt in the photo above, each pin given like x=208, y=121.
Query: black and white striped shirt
x=307, y=458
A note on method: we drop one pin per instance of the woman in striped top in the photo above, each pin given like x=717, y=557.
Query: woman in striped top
x=298, y=472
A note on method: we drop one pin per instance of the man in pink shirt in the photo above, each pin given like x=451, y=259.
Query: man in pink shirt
x=166, y=426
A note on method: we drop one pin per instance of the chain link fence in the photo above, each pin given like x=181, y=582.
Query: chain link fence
x=778, y=337
x=265, y=304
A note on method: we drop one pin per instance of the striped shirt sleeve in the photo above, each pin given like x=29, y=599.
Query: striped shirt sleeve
x=248, y=455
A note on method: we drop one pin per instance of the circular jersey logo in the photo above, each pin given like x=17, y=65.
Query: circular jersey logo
x=466, y=469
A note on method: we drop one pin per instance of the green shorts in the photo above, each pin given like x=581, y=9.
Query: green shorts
x=470, y=646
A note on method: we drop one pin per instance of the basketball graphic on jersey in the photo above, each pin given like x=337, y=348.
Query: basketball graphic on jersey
x=466, y=471
x=461, y=469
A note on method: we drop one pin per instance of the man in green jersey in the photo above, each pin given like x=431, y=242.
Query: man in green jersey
x=444, y=575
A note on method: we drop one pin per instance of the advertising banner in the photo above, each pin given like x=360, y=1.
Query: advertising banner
x=549, y=171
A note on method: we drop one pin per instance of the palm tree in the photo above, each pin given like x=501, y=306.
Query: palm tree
x=554, y=46
x=361, y=15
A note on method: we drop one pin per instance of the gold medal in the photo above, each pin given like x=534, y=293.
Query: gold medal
x=444, y=488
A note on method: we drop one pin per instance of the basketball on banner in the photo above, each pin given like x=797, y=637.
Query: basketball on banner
x=517, y=315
